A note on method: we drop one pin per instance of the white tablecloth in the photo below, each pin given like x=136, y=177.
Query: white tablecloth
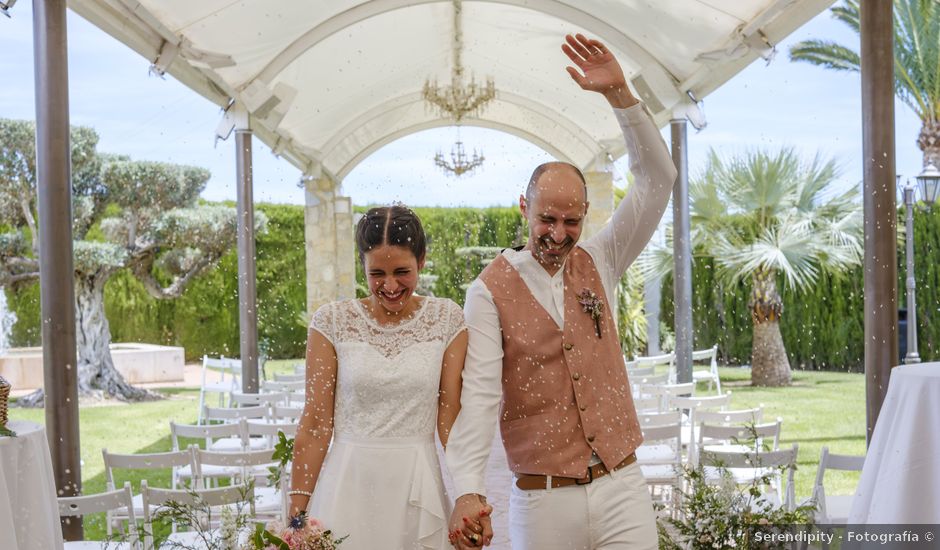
x=29, y=515
x=900, y=481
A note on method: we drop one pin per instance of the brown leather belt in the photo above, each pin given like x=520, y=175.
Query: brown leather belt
x=528, y=482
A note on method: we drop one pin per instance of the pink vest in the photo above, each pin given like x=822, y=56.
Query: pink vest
x=565, y=392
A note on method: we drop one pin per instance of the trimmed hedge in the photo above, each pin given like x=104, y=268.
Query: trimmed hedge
x=823, y=326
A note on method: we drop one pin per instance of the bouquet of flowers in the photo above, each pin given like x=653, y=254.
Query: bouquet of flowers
x=303, y=533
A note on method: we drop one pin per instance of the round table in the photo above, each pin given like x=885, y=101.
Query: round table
x=900, y=482
x=28, y=509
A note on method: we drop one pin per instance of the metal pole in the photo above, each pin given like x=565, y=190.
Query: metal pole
x=247, y=295
x=911, y=356
x=682, y=252
x=881, y=283
x=56, y=283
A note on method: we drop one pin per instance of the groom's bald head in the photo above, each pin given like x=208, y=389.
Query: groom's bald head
x=554, y=174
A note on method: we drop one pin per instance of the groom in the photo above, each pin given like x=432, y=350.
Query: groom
x=544, y=357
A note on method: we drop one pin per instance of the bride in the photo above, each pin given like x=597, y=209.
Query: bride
x=382, y=373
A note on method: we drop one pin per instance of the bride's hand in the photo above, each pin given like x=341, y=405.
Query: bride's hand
x=470, y=524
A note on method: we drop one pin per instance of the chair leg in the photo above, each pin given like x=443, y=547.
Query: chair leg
x=202, y=402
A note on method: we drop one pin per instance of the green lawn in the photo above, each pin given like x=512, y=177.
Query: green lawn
x=820, y=408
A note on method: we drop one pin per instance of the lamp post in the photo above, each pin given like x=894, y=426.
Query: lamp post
x=929, y=183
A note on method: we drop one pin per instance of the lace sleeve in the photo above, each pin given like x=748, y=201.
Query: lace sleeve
x=455, y=322
x=322, y=321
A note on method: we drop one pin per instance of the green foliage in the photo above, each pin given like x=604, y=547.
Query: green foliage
x=720, y=514
x=916, y=52
x=823, y=324
x=629, y=302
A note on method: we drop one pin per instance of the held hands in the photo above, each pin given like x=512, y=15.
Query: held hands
x=602, y=72
x=470, y=524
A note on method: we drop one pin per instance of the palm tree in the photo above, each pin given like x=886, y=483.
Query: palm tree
x=764, y=217
x=916, y=62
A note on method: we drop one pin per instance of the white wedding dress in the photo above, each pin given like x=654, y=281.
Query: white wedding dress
x=381, y=480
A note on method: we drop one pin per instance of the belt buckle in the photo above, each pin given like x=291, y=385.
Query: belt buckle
x=590, y=478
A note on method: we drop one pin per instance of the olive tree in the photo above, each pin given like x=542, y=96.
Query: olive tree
x=137, y=215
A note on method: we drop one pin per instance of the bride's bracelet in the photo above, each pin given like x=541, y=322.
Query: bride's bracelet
x=307, y=494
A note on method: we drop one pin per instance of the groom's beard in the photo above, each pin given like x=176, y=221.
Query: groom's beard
x=550, y=253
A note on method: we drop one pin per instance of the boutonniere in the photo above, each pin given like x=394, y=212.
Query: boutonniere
x=593, y=306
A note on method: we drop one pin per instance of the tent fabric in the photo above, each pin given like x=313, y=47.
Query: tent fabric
x=327, y=82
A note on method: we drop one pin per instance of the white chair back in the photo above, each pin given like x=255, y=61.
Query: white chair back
x=234, y=414
x=276, y=387
x=652, y=420
x=749, y=438
x=833, y=509
x=154, y=498
x=730, y=417
x=207, y=432
x=281, y=413
x=120, y=500
x=665, y=391
x=664, y=360
x=254, y=399
x=646, y=405
x=758, y=464
x=635, y=372
x=289, y=377
x=226, y=379
x=709, y=371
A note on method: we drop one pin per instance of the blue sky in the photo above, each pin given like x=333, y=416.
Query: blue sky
x=146, y=117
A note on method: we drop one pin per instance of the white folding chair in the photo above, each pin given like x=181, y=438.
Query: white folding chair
x=664, y=392
x=226, y=381
x=763, y=465
x=300, y=368
x=690, y=407
x=706, y=372
x=660, y=460
x=269, y=430
x=645, y=405
x=237, y=415
x=730, y=417
x=285, y=414
x=633, y=372
x=280, y=387
x=665, y=360
x=289, y=377
x=741, y=439
x=637, y=383
x=270, y=501
x=833, y=509
x=255, y=399
x=221, y=437
x=143, y=461
x=120, y=500
x=153, y=499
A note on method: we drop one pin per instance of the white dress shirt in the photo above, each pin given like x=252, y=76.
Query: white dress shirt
x=613, y=249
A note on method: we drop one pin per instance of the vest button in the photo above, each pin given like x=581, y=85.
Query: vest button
x=576, y=376
x=591, y=438
x=568, y=347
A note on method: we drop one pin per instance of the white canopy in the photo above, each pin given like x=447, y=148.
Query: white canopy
x=327, y=82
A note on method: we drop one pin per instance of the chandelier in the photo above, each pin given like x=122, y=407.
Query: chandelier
x=459, y=162
x=459, y=100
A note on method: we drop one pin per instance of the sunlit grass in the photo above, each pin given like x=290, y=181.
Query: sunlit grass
x=820, y=408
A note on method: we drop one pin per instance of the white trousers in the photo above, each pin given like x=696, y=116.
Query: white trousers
x=611, y=513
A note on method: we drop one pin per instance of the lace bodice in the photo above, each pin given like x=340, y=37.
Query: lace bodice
x=388, y=376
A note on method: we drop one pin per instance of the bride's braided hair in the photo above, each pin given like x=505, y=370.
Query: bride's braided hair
x=395, y=225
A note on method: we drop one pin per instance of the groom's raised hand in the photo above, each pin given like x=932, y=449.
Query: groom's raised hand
x=601, y=71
